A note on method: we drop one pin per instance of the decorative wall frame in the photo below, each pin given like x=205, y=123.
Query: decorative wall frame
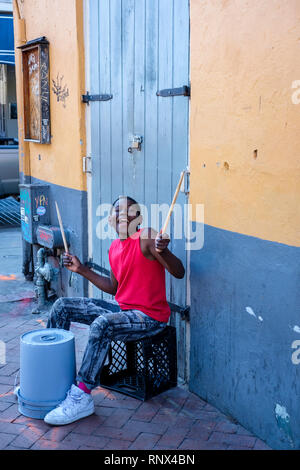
x=36, y=90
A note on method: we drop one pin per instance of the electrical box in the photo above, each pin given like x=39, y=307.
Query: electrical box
x=50, y=236
x=34, y=208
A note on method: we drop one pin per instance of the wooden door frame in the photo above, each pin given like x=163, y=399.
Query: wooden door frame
x=86, y=25
x=88, y=111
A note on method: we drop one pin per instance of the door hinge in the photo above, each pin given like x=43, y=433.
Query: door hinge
x=182, y=91
x=87, y=164
x=87, y=98
x=90, y=263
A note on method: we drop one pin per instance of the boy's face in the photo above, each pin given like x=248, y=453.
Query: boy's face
x=125, y=217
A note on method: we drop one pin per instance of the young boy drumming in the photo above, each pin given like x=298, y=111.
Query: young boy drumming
x=138, y=259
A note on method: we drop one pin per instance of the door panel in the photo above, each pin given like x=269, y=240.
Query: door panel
x=138, y=48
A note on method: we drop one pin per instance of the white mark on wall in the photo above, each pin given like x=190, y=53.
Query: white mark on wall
x=296, y=94
x=283, y=422
x=251, y=312
x=296, y=329
x=296, y=354
x=280, y=412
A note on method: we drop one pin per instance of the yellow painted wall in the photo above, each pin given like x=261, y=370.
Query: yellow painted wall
x=62, y=23
x=245, y=56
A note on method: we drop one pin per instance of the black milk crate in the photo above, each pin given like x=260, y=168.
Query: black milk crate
x=142, y=368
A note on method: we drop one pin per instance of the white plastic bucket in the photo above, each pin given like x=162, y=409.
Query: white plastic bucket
x=47, y=370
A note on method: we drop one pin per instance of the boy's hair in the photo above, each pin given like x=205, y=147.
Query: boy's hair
x=138, y=212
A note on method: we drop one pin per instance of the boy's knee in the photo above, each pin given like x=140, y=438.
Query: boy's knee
x=58, y=316
x=58, y=304
x=99, y=326
x=57, y=310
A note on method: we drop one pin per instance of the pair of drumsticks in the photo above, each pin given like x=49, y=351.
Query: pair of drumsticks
x=163, y=230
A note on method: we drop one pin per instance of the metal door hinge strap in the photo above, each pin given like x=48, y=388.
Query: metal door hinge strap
x=182, y=91
x=183, y=311
x=87, y=98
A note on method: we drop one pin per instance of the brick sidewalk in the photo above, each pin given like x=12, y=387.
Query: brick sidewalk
x=176, y=419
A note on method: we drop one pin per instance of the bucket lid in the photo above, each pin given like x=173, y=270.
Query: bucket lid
x=47, y=336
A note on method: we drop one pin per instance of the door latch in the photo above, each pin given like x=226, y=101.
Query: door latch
x=136, y=144
x=87, y=164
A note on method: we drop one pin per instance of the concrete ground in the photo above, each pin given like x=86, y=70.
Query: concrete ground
x=176, y=419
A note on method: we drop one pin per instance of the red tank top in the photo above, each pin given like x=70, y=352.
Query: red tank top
x=141, y=282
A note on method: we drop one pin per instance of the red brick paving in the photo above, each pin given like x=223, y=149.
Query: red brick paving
x=201, y=444
x=144, y=441
x=141, y=426
x=232, y=439
x=117, y=444
x=5, y=439
x=172, y=439
x=260, y=445
x=176, y=419
x=78, y=440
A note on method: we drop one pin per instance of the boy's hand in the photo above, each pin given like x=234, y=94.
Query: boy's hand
x=162, y=241
x=71, y=262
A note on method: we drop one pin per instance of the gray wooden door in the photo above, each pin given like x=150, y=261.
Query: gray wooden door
x=138, y=47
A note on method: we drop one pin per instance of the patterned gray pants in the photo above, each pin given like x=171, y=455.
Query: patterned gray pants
x=107, y=322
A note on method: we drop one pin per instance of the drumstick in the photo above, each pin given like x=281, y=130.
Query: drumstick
x=61, y=228
x=163, y=230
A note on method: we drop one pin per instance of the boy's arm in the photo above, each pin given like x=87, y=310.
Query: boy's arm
x=106, y=284
x=153, y=241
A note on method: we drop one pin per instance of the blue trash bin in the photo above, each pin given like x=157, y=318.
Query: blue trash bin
x=47, y=370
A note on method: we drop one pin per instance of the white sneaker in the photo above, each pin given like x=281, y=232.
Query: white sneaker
x=77, y=405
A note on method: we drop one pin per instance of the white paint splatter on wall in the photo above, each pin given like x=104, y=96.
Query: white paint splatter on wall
x=251, y=312
x=296, y=354
x=283, y=422
x=281, y=412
